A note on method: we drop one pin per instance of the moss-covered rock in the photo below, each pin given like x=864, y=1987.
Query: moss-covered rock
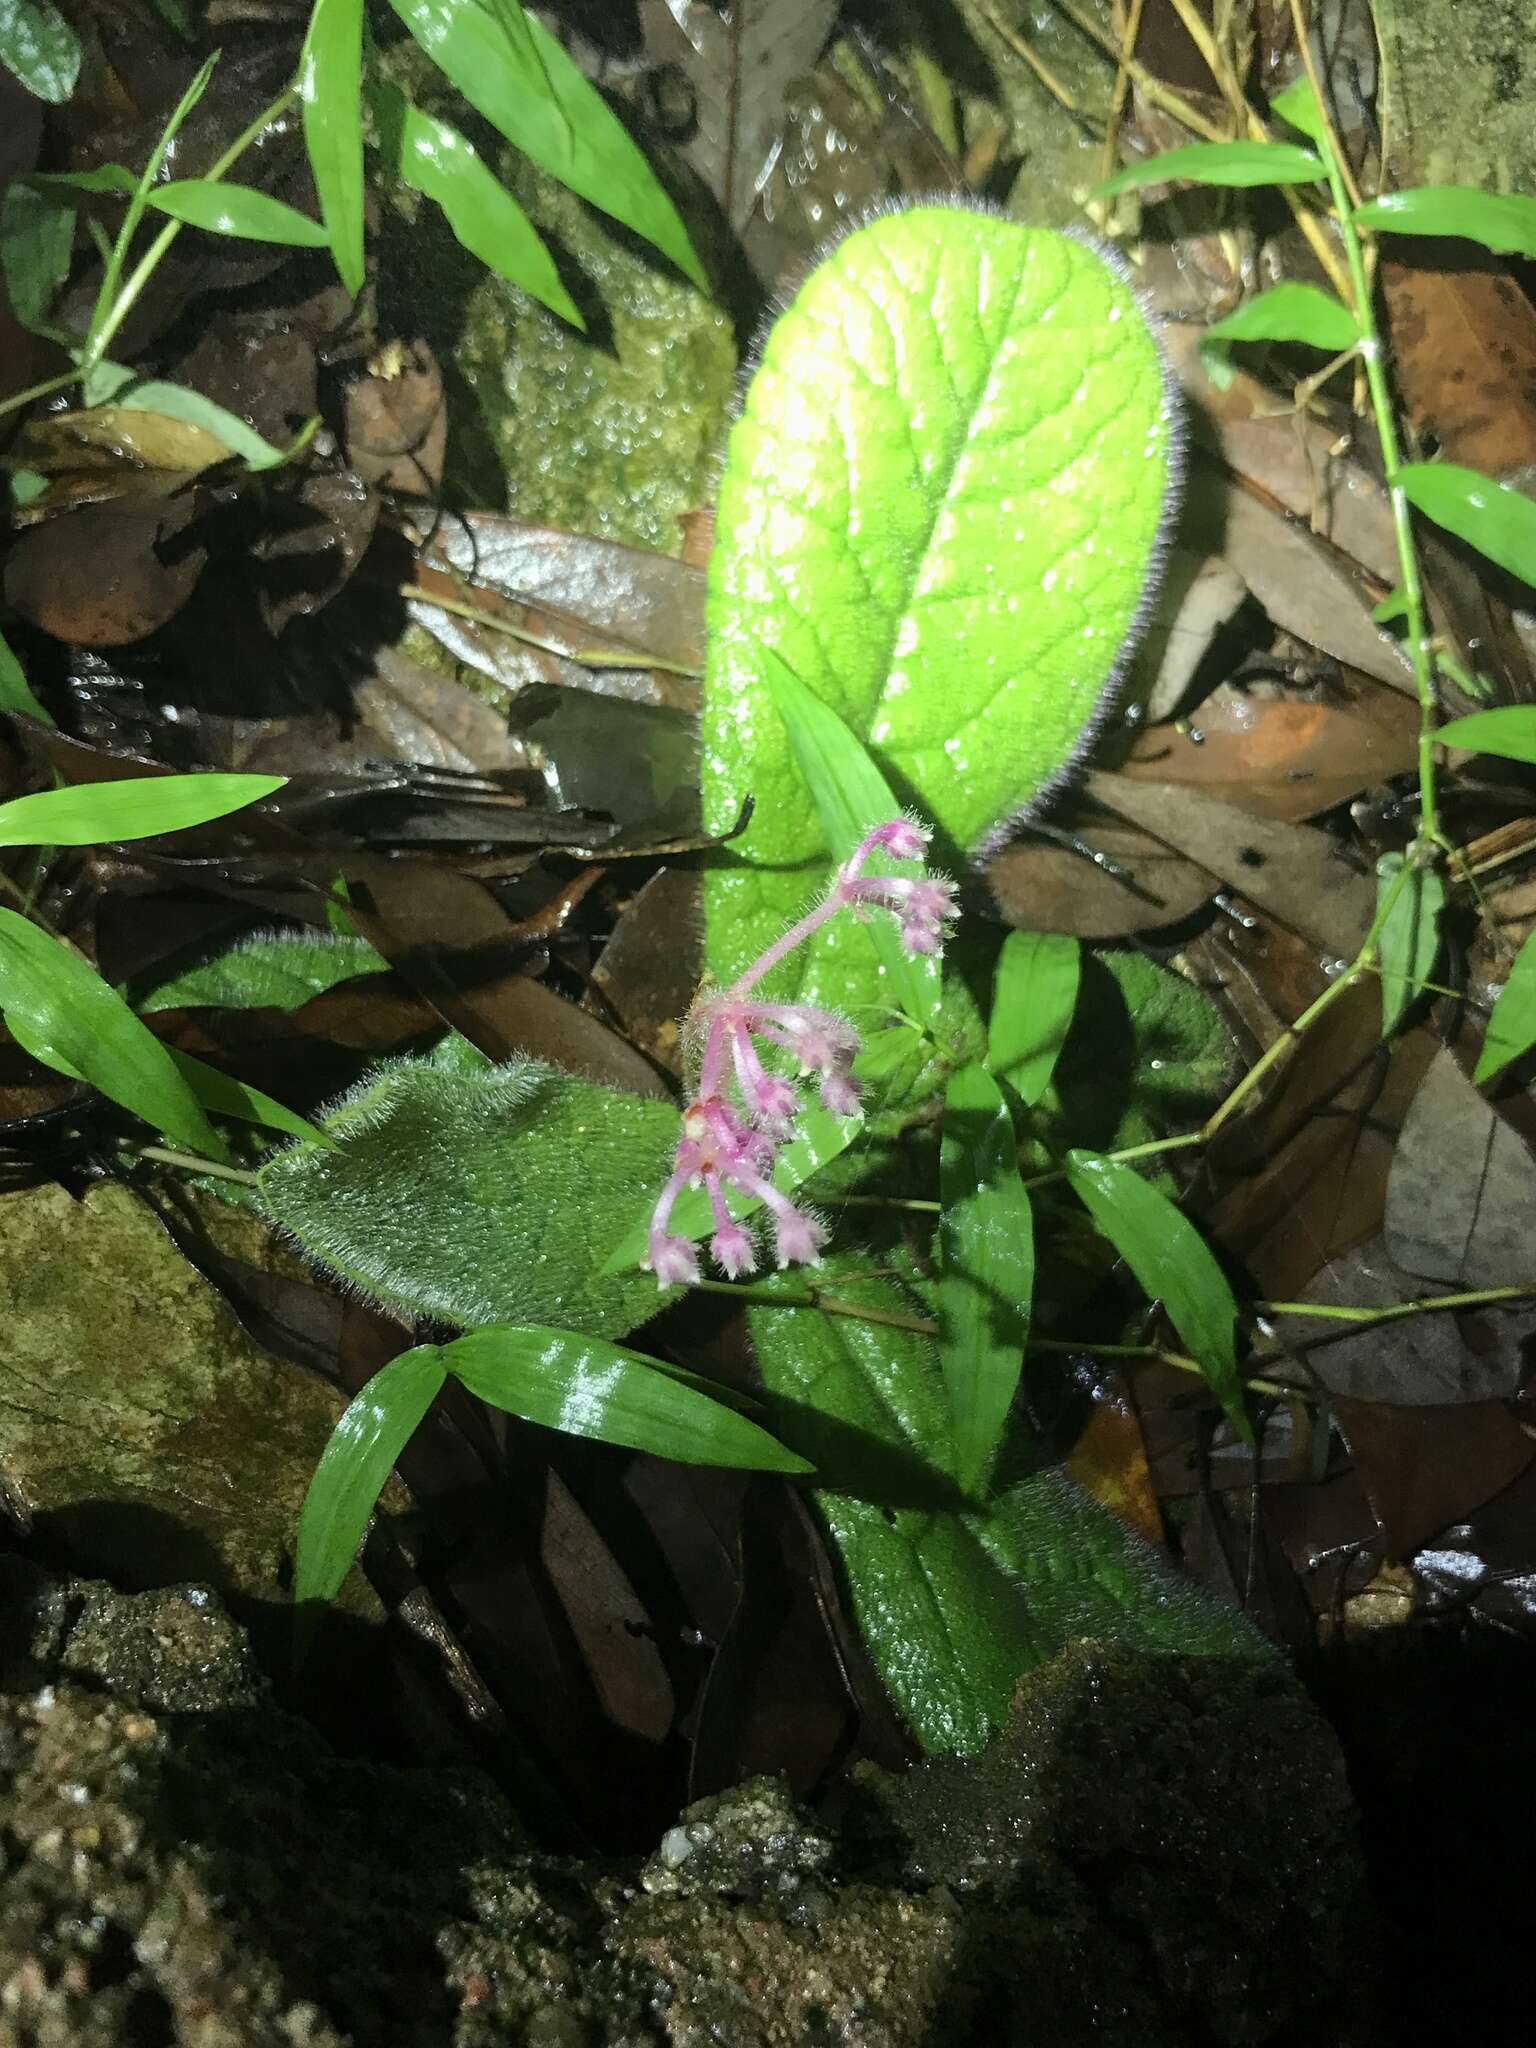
x=1459, y=92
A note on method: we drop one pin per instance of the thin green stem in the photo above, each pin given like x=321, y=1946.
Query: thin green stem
x=830, y=1304
x=1484, y=1297
x=44, y=390
x=194, y=1163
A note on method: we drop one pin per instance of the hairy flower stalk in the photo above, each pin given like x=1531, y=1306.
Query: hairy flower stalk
x=743, y=1113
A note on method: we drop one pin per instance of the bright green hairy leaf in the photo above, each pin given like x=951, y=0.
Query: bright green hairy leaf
x=850, y=795
x=1220, y=163
x=592, y=1389
x=513, y=71
x=38, y=46
x=1173, y=1264
x=15, y=690
x=64, y=1014
x=940, y=508
x=331, y=87
x=987, y=1269
x=1509, y=733
x=1409, y=941
x=238, y=210
x=1286, y=312
x=37, y=233
x=1034, y=996
x=274, y=971
x=954, y=1603
x=374, y=1429
x=97, y=813
x=481, y=1198
x=1494, y=518
x=437, y=160
x=1503, y=222
x=1512, y=1026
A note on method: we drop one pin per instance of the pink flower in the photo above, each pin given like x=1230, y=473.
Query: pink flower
x=743, y=1112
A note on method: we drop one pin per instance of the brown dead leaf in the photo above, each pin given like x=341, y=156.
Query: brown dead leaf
x=1426, y=1469
x=1109, y=1461
x=1463, y=337
x=1461, y=1198
x=396, y=425
x=1124, y=880
x=108, y=574
x=652, y=964
x=117, y=437
x=1282, y=757
x=1295, y=872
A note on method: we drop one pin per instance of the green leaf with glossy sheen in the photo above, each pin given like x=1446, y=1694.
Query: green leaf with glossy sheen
x=1298, y=105
x=1509, y=732
x=591, y=1389
x=1494, y=518
x=939, y=508
x=1173, y=1264
x=226, y=1096
x=820, y=1137
x=481, y=1197
x=238, y=210
x=1409, y=942
x=177, y=402
x=1220, y=163
x=954, y=1603
x=1502, y=221
x=96, y=813
x=437, y=160
x=851, y=796
x=15, y=690
x=1034, y=996
x=374, y=1429
x=532, y=92
x=38, y=46
x=61, y=1010
x=37, y=232
x=1286, y=312
x=278, y=971
x=331, y=87
x=1512, y=1026
x=986, y=1271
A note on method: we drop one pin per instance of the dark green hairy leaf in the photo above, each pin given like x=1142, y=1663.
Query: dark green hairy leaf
x=38, y=46
x=359, y=1457
x=1494, y=518
x=61, y=1010
x=592, y=1389
x=480, y=1198
x=1173, y=1264
x=1220, y=163
x=1410, y=937
x=1509, y=732
x=987, y=1268
x=1034, y=995
x=1503, y=222
x=37, y=232
x=280, y=971
x=95, y=813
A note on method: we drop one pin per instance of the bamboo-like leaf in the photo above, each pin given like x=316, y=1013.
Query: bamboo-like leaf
x=1220, y=163
x=851, y=795
x=177, y=402
x=331, y=86
x=226, y=1096
x=1512, y=1026
x=1286, y=312
x=437, y=160
x=1494, y=518
x=101, y=813
x=1034, y=995
x=63, y=1013
x=1173, y=1264
x=590, y=1388
x=1504, y=222
x=532, y=92
x=1509, y=732
x=987, y=1270
x=375, y=1428
x=1298, y=105
x=1410, y=937
x=739, y=61
x=238, y=210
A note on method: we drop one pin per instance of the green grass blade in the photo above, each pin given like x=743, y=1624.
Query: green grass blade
x=1220, y=163
x=1173, y=1264
x=1286, y=312
x=1512, y=1026
x=1504, y=222
x=63, y=1013
x=331, y=87
x=1494, y=518
x=101, y=813
x=226, y=1096
x=1410, y=937
x=1034, y=996
x=375, y=1428
x=238, y=210
x=590, y=1388
x=987, y=1270
x=1509, y=732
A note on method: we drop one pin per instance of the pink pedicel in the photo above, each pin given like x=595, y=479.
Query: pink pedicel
x=742, y=1113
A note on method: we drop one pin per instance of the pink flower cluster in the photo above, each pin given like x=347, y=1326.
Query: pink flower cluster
x=742, y=1113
